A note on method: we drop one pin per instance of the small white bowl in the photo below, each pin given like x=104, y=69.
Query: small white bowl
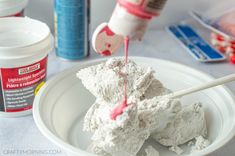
x=61, y=104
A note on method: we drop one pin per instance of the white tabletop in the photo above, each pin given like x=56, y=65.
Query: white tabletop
x=20, y=136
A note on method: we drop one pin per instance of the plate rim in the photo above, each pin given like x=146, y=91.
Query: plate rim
x=71, y=149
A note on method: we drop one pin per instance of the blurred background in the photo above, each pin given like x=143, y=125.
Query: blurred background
x=101, y=10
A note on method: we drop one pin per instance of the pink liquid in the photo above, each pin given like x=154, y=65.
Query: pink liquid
x=119, y=109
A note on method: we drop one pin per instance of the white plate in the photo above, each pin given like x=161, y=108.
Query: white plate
x=60, y=106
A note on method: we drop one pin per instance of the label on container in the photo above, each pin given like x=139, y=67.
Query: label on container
x=195, y=44
x=20, y=85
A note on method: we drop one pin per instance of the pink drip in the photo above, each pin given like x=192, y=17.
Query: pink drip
x=120, y=108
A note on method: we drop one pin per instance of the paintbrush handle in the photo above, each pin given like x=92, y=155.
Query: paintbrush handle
x=200, y=87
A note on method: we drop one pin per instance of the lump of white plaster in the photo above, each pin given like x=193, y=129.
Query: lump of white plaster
x=123, y=136
x=149, y=112
x=200, y=143
x=105, y=80
x=189, y=123
x=176, y=149
x=150, y=151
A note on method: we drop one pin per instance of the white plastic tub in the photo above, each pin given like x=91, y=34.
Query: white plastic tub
x=12, y=7
x=61, y=104
x=24, y=46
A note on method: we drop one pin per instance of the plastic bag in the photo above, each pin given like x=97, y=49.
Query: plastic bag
x=220, y=18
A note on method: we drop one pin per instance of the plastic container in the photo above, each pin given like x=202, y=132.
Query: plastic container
x=60, y=106
x=24, y=47
x=130, y=18
x=10, y=8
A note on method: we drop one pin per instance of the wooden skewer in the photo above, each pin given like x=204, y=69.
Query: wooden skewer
x=200, y=87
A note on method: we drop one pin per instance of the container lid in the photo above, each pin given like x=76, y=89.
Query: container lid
x=11, y=7
x=22, y=37
x=104, y=41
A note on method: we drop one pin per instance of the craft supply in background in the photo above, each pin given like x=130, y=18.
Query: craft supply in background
x=24, y=46
x=10, y=8
x=223, y=24
x=195, y=44
x=225, y=45
x=226, y=23
x=72, y=20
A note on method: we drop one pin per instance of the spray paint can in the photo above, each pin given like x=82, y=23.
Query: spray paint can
x=72, y=20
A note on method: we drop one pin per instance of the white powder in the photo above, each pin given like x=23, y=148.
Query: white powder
x=96, y=149
x=150, y=151
x=190, y=143
x=200, y=143
x=176, y=149
x=148, y=112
